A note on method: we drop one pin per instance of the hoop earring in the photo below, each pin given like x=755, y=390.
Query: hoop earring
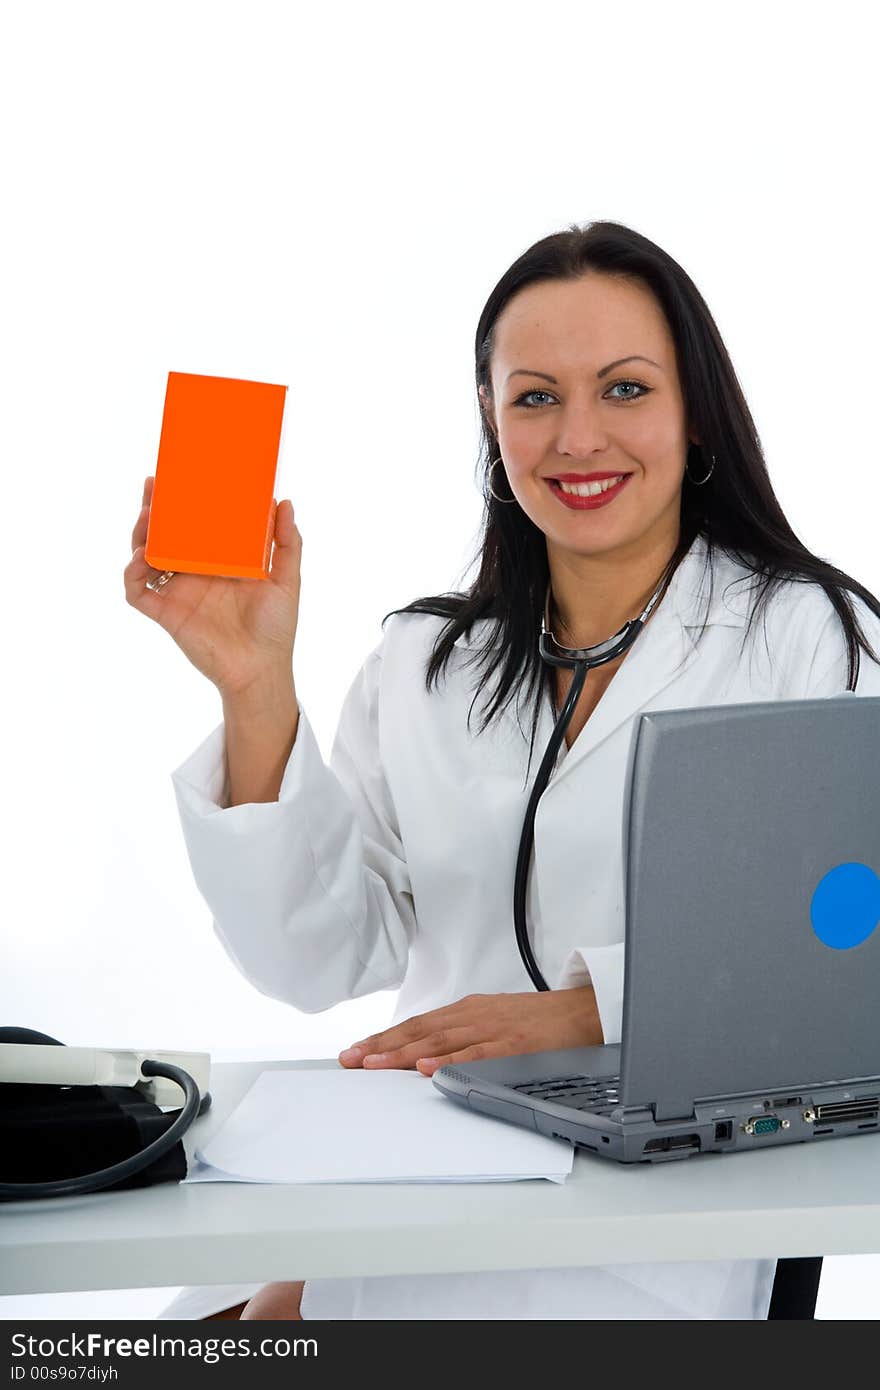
x=702, y=480
x=491, y=489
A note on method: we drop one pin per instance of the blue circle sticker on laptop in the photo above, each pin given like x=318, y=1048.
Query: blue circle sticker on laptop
x=845, y=908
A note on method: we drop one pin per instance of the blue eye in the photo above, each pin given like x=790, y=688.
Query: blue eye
x=643, y=391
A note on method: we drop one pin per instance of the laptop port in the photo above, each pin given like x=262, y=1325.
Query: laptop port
x=672, y=1141
x=764, y=1124
x=724, y=1129
x=841, y=1111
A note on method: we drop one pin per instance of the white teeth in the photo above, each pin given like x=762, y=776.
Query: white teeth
x=591, y=489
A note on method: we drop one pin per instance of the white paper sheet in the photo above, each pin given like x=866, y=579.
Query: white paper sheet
x=322, y=1126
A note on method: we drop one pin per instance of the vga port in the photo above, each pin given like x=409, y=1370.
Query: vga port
x=762, y=1124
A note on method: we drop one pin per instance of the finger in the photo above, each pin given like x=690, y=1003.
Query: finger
x=134, y=577
x=476, y=1053
x=390, y=1038
x=139, y=532
x=414, y=1029
x=287, y=550
x=137, y=571
x=355, y=1056
x=432, y=1045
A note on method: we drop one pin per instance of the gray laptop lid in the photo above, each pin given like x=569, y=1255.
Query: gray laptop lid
x=752, y=894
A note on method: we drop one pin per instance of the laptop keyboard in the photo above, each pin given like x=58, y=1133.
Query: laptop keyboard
x=597, y=1094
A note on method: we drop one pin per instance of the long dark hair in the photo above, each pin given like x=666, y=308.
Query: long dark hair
x=737, y=510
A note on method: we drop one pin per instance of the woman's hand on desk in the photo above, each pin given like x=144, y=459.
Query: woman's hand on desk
x=483, y=1025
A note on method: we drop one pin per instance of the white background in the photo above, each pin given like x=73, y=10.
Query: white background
x=324, y=196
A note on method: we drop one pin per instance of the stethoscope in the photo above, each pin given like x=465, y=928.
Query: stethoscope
x=581, y=660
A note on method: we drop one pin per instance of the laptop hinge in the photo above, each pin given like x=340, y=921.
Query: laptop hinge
x=675, y=1109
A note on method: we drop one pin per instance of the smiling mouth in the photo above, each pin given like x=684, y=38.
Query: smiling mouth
x=589, y=487
x=588, y=496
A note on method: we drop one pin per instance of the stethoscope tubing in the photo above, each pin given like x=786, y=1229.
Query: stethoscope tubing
x=523, y=858
x=580, y=660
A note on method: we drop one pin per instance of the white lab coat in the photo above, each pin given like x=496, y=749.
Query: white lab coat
x=393, y=868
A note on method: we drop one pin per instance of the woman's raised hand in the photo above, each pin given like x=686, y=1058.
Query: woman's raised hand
x=235, y=631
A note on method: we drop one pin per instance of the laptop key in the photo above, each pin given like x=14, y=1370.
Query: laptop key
x=550, y=1081
x=596, y=1095
x=597, y=1105
x=556, y=1085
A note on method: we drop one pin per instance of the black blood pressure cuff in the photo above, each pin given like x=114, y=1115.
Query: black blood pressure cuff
x=52, y=1132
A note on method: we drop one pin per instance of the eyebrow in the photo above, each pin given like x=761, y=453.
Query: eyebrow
x=635, y=357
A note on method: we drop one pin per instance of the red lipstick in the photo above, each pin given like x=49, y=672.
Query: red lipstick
x=588, y=504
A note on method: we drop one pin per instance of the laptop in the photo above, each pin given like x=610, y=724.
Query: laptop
x=752, y=963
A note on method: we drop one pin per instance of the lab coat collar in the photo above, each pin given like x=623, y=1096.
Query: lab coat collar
x=666, y=648
x=727, y=587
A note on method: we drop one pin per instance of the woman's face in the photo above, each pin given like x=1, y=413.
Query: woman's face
x=597, y=415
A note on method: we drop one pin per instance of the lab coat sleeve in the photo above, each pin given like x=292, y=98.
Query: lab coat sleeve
x=310, y=894
x=814, y=665
x=602, y=967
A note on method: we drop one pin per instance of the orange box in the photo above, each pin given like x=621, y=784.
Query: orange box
x=211, y=509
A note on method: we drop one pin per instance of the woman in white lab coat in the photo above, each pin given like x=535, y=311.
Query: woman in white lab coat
x=393, y=867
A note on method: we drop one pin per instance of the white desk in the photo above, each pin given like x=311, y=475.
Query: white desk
x=803, y=1199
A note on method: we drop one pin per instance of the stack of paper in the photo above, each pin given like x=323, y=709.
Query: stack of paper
x=323, y=1125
